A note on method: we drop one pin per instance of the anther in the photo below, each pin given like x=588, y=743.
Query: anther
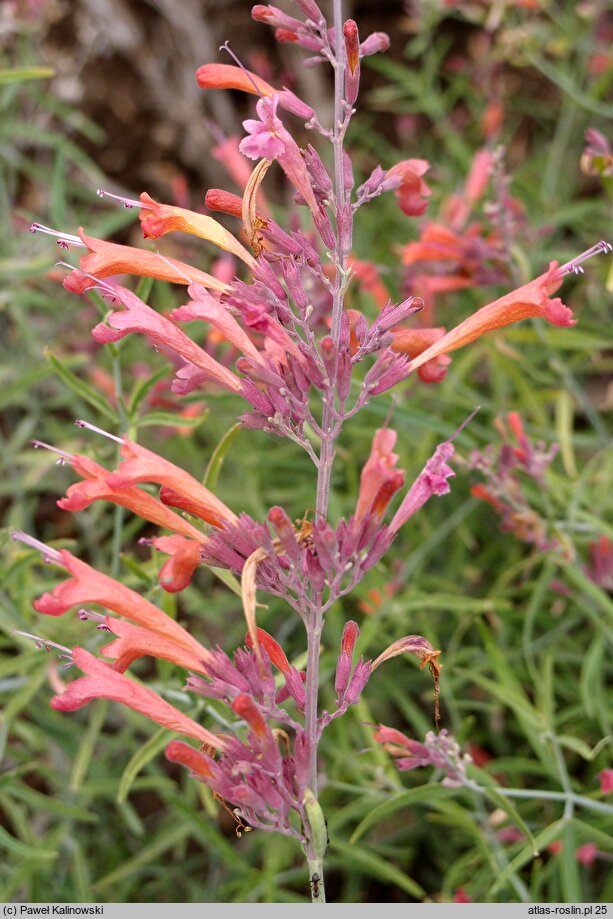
x=65, y=240
x=63, y=457
x=65, y=653
x=86, y=615
x=574, y=265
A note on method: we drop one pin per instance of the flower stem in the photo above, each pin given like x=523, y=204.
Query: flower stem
x=330, y=430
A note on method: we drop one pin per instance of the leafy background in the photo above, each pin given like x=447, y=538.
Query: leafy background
x=89, y=809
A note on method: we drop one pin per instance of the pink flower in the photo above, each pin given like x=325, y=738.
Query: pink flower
x=587, y=854
x=600, y=569
x=103, y=682
x=413, y=191
x=606, y=781
x=95, y=487
x=432, y=480
x=269, y=138
x=138, y=317
x=460, y=896
x=158, y=219
x=228, y=76
x=179, y=488
x=86, y=585
x=379, y=479
x=526, y=302
x=134, y=642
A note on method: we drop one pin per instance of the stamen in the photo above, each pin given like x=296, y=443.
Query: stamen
x=66, y=653
x=174, y=267
x=65, y=240
x=88, y=614
x=49, y=554
x=128, y=203
x=63, y=456
x=466, y=421
x=226, y=47
x=574, y=266
x=92, y=427
x=215, y=131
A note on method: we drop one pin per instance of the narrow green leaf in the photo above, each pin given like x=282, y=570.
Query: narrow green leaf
x=168, y=420
x=142, y=389
x=147, y=855
x=139, y=760
x=422, y=795
x=22, y=74
x=569, y=874
x=216, y=461
x=527, y=853
x=229, y=579
x=86, y=751
x=564, y=431
x=82, y=389
x=23, y=850
x=371, y=863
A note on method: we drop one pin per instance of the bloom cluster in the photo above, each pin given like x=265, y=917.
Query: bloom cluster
x=291, y=350
x=506, y=470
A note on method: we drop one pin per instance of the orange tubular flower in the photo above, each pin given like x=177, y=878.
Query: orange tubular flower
x=103, y=682
x=185, y=554
x=142, y=465
x=182, y=753
x=414, y=342
x=133, y=642
x=228, y=76
x=90, y=586
x=526, y=302
x=107, y=259
x=96, y=487
x=379, y=470
x=158, y=219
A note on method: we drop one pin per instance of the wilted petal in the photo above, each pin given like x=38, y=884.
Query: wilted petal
x=410, y=644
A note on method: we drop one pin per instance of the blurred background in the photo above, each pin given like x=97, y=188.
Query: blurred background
x=101, y=93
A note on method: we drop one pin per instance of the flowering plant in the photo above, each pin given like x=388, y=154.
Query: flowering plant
x=303, y=364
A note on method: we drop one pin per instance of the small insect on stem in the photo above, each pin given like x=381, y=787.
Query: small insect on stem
x=314, y=882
